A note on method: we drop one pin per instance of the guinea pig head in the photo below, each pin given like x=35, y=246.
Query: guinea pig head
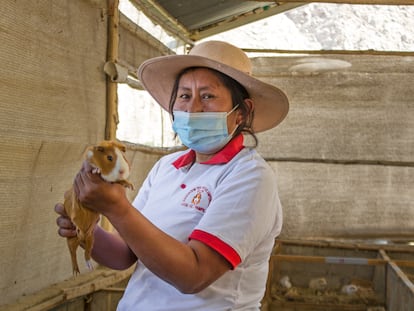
x=109, y=158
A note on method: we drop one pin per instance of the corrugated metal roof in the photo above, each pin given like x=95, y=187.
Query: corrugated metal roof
x=210, y=13
x=192, y=20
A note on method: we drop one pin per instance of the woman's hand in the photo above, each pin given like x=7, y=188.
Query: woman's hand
x=66, y=228
x=97, y=194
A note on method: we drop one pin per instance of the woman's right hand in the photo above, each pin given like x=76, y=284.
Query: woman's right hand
x=66, y=228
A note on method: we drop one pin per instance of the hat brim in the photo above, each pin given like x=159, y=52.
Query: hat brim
x=158, y=75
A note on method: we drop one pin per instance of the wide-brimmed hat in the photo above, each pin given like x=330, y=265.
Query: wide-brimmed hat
x=158, y=75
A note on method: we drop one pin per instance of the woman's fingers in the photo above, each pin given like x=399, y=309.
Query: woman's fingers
x=65, y=223
x=66, y=227
x=84, y=180
x=66, y=233
x=59, y=209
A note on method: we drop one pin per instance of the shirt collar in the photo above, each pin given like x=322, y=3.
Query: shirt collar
x=223, y=156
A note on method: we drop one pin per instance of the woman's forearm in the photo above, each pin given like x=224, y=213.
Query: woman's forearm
x=188, y=267
x=111, y=251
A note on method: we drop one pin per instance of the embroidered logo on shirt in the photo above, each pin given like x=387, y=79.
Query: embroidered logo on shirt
x=198, y=198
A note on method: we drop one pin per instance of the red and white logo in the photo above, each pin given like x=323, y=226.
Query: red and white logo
x=198, y=198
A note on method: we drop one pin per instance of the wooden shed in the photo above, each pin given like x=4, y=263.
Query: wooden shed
x=344, y=156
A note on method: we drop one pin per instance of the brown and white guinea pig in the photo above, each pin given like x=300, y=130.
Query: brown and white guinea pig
x=108, y=159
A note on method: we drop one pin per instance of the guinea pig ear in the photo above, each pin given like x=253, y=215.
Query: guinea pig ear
x=120, y=146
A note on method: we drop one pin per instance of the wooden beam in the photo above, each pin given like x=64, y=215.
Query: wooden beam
x=112, y=56
x=58, y=294
x=369, y=2
x=243, y=19
x=322, y=52
x=112, y=117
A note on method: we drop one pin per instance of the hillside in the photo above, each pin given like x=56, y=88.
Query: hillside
x=330, y=26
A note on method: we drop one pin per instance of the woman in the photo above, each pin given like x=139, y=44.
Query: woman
x=203, y=225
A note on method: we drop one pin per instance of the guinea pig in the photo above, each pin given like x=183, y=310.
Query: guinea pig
x=107, y=159
x=318, y=285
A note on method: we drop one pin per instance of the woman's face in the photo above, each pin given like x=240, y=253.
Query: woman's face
x=200, y=90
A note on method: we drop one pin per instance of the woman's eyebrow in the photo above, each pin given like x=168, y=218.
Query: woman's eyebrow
x=203, y=88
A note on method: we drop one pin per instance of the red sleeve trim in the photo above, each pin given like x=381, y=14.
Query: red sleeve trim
x=218, y=245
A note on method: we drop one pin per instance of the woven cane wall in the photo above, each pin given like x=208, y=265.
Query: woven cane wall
x=345, y=153
x=53, y=98
x=52, y=105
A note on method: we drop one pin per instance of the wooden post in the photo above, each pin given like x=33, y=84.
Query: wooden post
x=111, y=87
x=112, y=55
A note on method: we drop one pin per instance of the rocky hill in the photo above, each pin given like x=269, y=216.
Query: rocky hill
x=330, y=27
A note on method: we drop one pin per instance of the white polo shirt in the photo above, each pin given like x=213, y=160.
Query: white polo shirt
x=230, y=203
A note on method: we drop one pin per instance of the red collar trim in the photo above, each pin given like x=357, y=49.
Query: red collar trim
x=222, y=157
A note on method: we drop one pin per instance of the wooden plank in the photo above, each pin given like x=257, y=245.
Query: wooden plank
x=112, y=117
x=100, y=281
x=350, y=244
x=331, y=260
x=303, y=306
x=377, y=2
x=342, y=260
x=66, y=292
x=400, y=290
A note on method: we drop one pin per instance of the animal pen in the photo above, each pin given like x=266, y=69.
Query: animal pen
x=343, y=158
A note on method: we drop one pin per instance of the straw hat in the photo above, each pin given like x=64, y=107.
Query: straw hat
x=158, y=75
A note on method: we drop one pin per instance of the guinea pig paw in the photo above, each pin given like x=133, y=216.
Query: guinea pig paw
x=89, y=265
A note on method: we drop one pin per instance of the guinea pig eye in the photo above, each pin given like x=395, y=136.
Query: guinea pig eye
x=110, y=158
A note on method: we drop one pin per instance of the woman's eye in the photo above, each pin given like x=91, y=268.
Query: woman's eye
x=184, y=96
x=207, y=96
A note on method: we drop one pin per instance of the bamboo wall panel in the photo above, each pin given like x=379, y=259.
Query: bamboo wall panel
x=136, y=45
x=52, y=57
x=33, y=256
x=345, y=153
x=52, y=106
x=364, y=112
x=345, y=201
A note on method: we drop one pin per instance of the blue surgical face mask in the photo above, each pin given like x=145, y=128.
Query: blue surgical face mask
x=204, y=132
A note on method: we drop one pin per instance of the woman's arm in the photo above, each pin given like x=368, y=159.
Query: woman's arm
x=190, y=267
x=109, y=249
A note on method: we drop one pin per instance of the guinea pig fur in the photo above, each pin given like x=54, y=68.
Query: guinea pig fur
x=109, y=161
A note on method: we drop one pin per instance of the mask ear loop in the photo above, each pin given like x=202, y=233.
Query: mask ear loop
x=229, y=113
x=234, y=131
